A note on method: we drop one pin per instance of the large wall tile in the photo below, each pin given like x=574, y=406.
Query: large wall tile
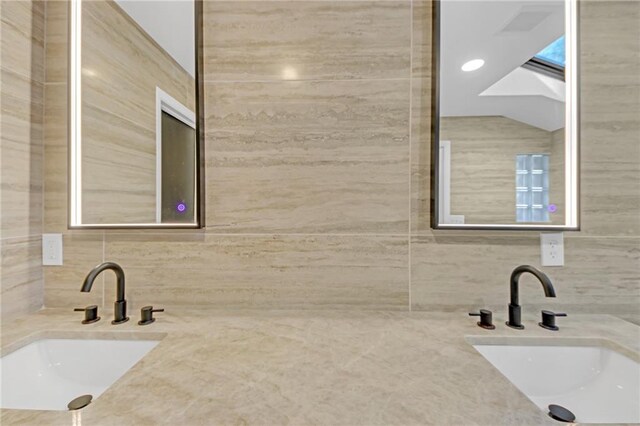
x=308, y=157
x=290, y=40
x=610, y=111
x=421, y=60
x=600, y=275
x=20, y=276
x=285, y=272
x=21, y=144
x=56, y=41
x=23, y=38
x=421, y=156
x=56, y=155
x=21, y=169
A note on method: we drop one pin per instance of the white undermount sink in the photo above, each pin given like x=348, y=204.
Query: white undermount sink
x=48, y=373
x=597, y=384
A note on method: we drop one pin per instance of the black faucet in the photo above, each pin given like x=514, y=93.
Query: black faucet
x=120, y=306
x=515, y=318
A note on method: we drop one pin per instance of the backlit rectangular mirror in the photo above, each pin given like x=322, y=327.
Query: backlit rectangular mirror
x=505, y=122
x=134, y=100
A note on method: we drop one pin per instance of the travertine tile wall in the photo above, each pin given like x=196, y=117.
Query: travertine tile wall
x=317, y=140
x=483, y=168
x=21, y=161
x=119, y=146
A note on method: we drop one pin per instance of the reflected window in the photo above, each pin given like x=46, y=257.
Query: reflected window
x=551, y=60
x=532, y=188
x=553, y=53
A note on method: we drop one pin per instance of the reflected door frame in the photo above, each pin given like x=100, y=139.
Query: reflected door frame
x=168, y=104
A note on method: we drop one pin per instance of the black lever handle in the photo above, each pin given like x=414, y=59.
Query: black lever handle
x=549, y=320
x=90, y=314
x=146, y=315
x=486, y=318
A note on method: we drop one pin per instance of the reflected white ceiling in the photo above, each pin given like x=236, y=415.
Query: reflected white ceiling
x=506, y=34
x=171, y=23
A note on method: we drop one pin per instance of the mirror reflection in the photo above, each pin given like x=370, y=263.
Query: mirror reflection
x=134, y=145
x=506, y=129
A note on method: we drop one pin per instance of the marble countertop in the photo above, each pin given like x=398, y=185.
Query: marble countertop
x=306, y=367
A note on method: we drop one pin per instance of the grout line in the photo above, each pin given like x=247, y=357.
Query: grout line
x=307, y=80
x=44, y=45
x=138, y=232
x=445, y=233
x=20, y=237
x=28, y=77
x=104, y=250
x=410, y=148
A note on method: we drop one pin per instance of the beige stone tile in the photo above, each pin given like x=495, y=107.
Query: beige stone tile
x=21, y=169
x=306, y=40
x=600, y=275
x=610, y=107
x=421, y=110
x=422, y=39
x=270, y=272
x=308, y=157
x=21, y=290
x=421, y=156
x=56, y=158
x=56, y=43
x=82, y=251
x=23, y=38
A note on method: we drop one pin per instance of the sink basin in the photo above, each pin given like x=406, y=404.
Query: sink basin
x=48, y=373
x=597, y=384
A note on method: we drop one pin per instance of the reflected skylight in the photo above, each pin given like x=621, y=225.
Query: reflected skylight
x=553, y=53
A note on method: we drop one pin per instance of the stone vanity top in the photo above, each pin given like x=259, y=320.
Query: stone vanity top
x=306, y=367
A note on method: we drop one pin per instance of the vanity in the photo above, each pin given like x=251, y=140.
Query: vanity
x=136, y=194
x=304, y=367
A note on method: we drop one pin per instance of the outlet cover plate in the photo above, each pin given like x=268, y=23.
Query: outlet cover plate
x=52, y=249
x=552, y=249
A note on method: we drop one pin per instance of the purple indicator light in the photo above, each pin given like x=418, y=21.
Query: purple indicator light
x=181, y=207
x=552, y=208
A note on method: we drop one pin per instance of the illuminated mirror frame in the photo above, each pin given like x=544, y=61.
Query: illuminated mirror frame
x=75, y=129
x=572, y=127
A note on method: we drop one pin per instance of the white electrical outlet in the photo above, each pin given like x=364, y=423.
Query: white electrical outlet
x=52, y=249
x=552, y=249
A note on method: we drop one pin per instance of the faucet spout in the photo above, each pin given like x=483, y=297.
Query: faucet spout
x=120, y=307
x=514, y=306
x=547, y=286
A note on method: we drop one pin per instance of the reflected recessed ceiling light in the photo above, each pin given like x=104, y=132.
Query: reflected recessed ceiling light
x=89, y=72
x=473, y=65
x=289, y=73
